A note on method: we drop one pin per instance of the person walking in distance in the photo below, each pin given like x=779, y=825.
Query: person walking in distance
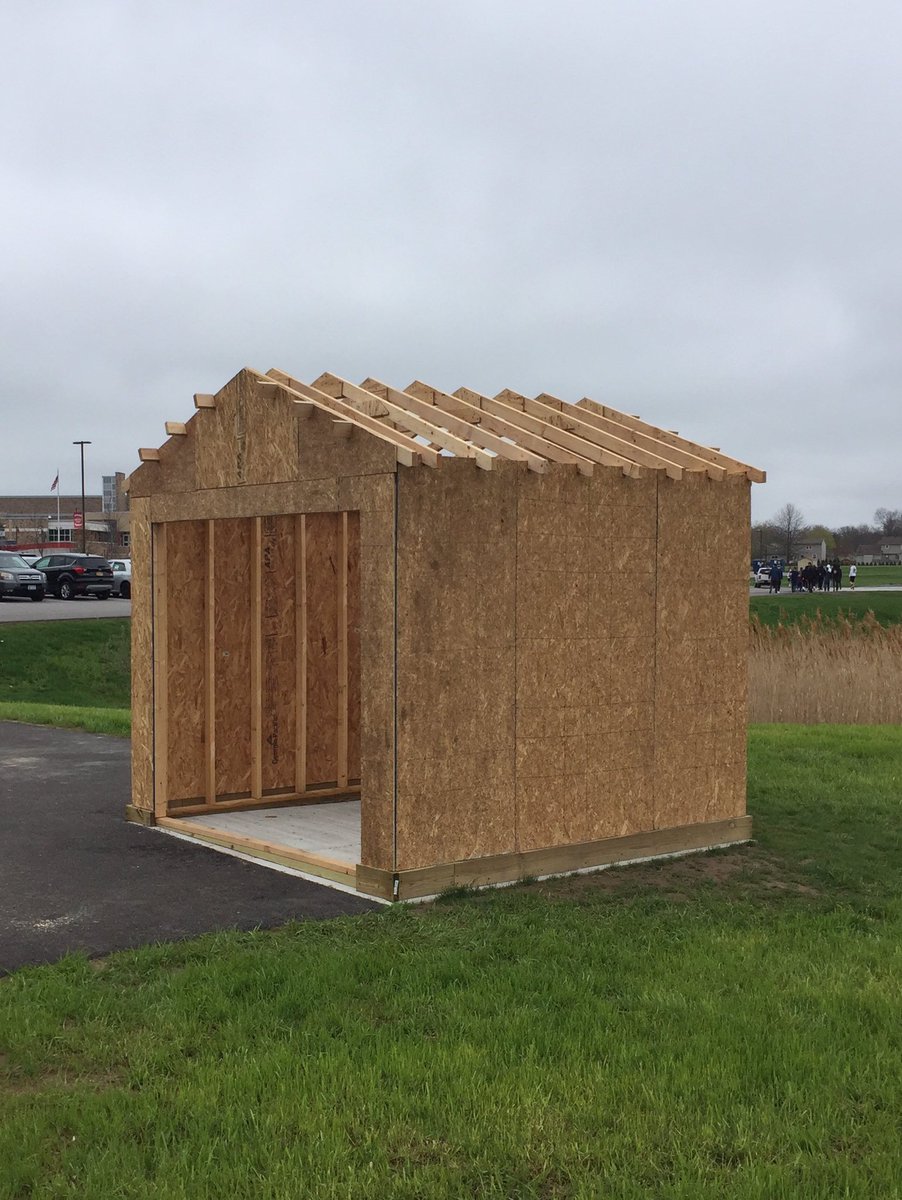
x=853, y=575
x=776, y=578
x=837, y=574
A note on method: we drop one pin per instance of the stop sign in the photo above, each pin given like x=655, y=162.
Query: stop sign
x=77, y=520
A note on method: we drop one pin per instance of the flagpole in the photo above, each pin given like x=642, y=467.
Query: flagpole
x=57, y=504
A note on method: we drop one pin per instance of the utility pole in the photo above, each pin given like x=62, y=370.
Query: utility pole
x=84, y=523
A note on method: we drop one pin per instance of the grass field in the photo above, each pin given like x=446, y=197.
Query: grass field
x=876, y=576
x=70, y=673
x=789, y=609
x=720, y=1026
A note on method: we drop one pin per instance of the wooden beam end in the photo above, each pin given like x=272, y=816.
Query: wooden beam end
x=204, y=400
x=149, y=454
x=176, y=428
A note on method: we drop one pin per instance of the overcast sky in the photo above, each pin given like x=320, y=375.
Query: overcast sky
x=688, y=210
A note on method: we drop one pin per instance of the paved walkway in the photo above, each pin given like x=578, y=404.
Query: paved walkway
x=50, y=609
x=74, y=875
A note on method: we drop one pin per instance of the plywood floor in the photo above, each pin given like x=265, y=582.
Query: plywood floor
x=331, y=830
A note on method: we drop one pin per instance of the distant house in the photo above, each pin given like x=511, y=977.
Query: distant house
x=882, y=552
x=816, y=549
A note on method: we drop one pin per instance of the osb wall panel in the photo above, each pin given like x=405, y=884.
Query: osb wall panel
x=456, y=662
x=700, y=666
x=585, y=655
x=252, y=500
x=142, y=657
x=556, y=657
x=320, y=452
x=354, y=683
x=278, y=648
x=185, y=549
x=373, y=497
x=233, y=544
x=221, y=437
x=323, y=565
x=176, y=466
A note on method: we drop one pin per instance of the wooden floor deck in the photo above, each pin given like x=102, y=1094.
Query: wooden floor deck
x=317, y=839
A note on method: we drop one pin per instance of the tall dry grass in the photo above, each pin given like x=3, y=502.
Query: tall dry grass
x=836, y=672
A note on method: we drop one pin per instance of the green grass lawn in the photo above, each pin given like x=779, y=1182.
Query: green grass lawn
x=73, y=673
x=789, y=608
x=727, y=1025
x=876, y=576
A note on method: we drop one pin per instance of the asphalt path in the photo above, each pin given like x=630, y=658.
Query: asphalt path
x=786, y=590
x=50, y=609
x=76, y=876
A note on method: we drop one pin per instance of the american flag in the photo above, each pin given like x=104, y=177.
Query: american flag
x=55, y=483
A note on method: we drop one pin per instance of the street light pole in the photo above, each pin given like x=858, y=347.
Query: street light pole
x=84, y=523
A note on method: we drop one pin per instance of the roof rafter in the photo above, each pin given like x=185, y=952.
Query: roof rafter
x=470, y=430
x=493, y=418
x=513, y=407
x=409, y=451
x=732, y=465
x=658, y=453
x=399, y=415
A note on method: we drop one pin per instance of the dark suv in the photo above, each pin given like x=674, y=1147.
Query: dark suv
x=71, y=575
x=19, y=578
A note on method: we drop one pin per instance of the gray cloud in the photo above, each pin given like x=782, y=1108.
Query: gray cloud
x=688, y=210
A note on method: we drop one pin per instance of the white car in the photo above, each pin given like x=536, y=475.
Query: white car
x=122, y=577
x=762, y=577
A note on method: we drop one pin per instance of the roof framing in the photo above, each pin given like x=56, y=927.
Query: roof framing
x=424, y=424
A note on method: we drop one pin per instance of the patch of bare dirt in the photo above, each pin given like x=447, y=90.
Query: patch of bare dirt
x=746, y=870
x=12, y=1083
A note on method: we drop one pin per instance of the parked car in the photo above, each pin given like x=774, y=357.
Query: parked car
x=762, y=577
x=71, y=575
x=122, y=577
x=17, y=578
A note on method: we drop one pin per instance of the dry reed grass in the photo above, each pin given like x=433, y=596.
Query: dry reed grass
x=836, y=672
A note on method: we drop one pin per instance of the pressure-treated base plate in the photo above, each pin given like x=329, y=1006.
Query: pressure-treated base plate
x=324, y=842
x=555, y=860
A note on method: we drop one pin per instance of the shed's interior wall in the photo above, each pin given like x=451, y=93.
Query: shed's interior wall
x=256, y=635
x=571, y=657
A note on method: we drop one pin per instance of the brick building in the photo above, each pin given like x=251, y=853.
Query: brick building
x=31, y=521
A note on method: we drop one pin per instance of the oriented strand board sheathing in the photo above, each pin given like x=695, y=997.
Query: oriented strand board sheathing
x=353, y=645
x=177, y=473
x=321, y=454
x=260, y=500
x=185, y=555
x=278, y=674
x=701, y=651
x=232, y=568
x=221, y=437
x=377, y=658
x=456, y=661
x=323, y=578
x=272, y=438
x=141, y=658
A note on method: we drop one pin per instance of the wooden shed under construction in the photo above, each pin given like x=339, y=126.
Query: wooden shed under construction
x=408, y=640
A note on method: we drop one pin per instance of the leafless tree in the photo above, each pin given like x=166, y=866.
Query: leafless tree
x=788, y=524
x=889, y=521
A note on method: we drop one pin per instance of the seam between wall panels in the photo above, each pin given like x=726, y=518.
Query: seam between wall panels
x=153, y=663
x=394, y=802
x=655, y=756
x=516, y=533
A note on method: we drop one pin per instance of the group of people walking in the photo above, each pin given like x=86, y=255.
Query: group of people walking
x=814, y=577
